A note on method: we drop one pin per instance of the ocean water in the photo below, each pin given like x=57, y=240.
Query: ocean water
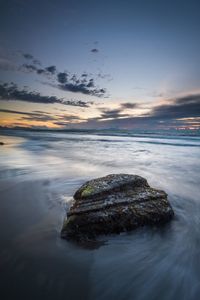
x=40, y=171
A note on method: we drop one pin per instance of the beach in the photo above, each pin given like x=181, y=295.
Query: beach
x=39, y=173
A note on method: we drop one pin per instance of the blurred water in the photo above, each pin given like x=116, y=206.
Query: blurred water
x=39, y=173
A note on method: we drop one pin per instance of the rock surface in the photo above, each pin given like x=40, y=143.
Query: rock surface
x=112, y=204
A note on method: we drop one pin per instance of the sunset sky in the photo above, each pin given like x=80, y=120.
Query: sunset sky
x=125, y=64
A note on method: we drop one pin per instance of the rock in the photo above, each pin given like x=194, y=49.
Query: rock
x=112, y=204
x=1, y=144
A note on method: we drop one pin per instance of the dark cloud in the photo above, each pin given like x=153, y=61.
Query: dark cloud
x=16, y=112
x=84, y=75
x=82, y=88
x=66, y=82
x=166, y=115
x=36, y=62
x=68, y=119
x=74, y=78
x=31, y=116
x=129, y=105
x=112, y=114
x=160, y=117
x=11, y=92
x=28, y=56
x=94, y=50
x=62, y=77
x=182, y=112
x=51, y=69
x=38, y=118
x=61, y=123
x=84, y=84
x=90, y=83
x=122, y=122
x=41, y=71
x=42, y=116
x=186, y=106
x=29, y=67
x=116, y=113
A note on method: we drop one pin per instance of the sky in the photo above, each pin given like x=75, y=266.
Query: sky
x=118, y=64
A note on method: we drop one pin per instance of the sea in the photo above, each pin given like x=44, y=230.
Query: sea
x=39, y=173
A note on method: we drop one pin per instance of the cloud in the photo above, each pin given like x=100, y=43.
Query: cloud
x=51, y=69
x=90, y=83
x=129, y=105
x=28, y=56
x=42, y=71
x=42, y=116
x=84, y=88
x=10, y=92
x=65, y=81
x=35, y=66
x=66, y=120
x=38, y=118
x=84, y=75
x=36, y=62
x=31, y=116
x=117, y=112
x=182, y=112
x=186, y=106
x=62, y=77
x=94, y=50
x=15, y=112
x=29, y=67
x=83, y=84
x=112, y=114
x=70, y=117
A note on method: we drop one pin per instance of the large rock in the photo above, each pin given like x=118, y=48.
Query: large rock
x=113, y=204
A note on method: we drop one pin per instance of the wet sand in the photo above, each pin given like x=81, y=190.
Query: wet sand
x=38, y=176
x=35, y=263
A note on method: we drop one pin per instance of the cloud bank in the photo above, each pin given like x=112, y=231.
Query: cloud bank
x=65, y=81
x=10, y=92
